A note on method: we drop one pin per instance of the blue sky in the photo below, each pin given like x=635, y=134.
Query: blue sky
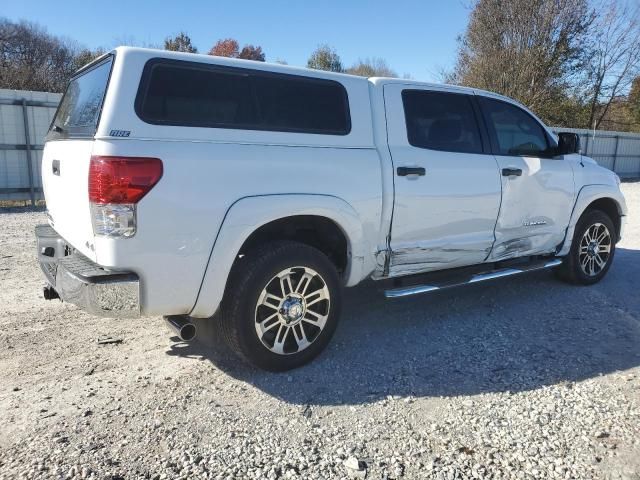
x=414, y=37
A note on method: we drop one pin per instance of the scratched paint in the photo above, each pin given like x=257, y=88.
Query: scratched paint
x=417, y=259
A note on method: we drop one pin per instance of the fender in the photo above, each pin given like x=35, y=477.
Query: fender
x=587, y=195
x=248, y=214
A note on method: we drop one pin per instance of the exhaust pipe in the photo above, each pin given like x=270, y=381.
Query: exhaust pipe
x=183, y=327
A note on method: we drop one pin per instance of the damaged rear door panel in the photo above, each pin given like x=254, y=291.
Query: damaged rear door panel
x=447, y=185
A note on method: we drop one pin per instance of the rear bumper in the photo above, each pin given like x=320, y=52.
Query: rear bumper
x=84, y=283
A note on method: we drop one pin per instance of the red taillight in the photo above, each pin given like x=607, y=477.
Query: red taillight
x=122, y=179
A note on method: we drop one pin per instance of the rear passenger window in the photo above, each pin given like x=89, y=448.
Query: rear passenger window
x=191, y=94
x=441, y=121
x=515, y=132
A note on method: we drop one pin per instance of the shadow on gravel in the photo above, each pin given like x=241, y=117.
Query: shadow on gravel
x=508, y=335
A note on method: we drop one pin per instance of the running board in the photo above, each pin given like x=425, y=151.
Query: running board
x=480, y=277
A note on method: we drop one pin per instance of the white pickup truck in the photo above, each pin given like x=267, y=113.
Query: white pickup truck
x=193, y=186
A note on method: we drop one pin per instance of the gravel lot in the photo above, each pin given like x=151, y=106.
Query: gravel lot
x=523, y=378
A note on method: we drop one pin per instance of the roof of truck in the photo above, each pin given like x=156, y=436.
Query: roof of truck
x=278, y=67
x=235, y=62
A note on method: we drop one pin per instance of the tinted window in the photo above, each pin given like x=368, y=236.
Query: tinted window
x=515, y=131
x=441, y=121
x=191, y=94
x=80, y=107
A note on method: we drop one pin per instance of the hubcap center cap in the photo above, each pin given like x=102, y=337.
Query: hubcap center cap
x=292, y=309
x=592, y=249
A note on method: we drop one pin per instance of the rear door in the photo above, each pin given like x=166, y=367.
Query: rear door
x=537, y=188
x=67, y=155
x=447, y=185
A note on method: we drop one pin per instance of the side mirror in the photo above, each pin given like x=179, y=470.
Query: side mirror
x=568, y=143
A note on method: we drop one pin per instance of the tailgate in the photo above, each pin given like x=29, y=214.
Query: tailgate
x=65, y=178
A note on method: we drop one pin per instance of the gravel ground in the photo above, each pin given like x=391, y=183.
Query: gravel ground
x=524, y=378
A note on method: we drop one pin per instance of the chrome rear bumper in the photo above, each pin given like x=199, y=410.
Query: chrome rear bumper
x=84, y=283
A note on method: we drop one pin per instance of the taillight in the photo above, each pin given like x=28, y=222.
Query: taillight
x=122, y=179
x=116, y=184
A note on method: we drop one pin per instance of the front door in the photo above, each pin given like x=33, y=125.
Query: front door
x=538, y=191
x=447, y=184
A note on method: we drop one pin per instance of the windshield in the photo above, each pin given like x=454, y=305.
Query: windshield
x=79, y=110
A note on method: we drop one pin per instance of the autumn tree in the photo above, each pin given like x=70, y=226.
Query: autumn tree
x=227, y=47
x=325, y=58
x=180, y=43
x=230, y=48
x=371, y=67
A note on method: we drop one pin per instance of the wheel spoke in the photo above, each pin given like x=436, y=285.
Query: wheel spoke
x=303, y=283
x=268, y=323
x=604, y=249
x=584, y=261
x=602, y=236
x=300, y=336
x=316, y=296
x=269, y=300
x=598, y=259
x=281, y=337
x=285, y=284
x=318, y=320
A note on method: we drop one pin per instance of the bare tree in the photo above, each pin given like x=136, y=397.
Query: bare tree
x=614, y=60
x=31, y=59
x=531, y=50
x=371, y=67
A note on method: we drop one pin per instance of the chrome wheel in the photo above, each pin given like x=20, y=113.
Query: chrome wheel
x=292, y=310
x=595, y=249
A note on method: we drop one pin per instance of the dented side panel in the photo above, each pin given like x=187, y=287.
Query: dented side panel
x=446, y=217
x=536, y=206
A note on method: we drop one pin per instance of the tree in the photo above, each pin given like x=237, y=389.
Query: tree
x=530, y=50
x=180, y=43
x=613, y=60
x=32, y=59
x=86, y=56
x=371, y=67
x=325, y=58
x=249, y=52
x=229, y=47
x=634, y=102
x=225, y=48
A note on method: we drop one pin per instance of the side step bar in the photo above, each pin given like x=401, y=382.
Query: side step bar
x=480, y=277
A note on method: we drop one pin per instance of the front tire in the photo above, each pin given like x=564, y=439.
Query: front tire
x=281, y=305
x=592, y=250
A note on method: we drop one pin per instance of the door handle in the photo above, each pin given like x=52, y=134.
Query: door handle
x=55, y=167
x=508, y=172
x=404, y=171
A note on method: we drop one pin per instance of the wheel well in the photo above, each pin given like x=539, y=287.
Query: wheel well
x=610, y=207
x=318, y=232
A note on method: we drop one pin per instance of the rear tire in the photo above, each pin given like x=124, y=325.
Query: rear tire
x=592, y=250
x=281, y=305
